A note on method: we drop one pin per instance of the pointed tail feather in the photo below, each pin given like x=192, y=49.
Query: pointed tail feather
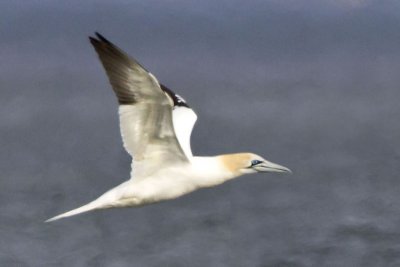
x=84, y=208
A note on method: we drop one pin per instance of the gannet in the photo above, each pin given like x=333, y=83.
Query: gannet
x=156, y=125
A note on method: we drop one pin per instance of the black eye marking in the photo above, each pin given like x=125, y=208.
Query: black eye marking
x=255, y=162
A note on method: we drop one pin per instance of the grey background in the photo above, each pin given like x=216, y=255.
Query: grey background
x=312, y=85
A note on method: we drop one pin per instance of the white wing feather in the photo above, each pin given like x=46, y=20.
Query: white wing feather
x=184, y=119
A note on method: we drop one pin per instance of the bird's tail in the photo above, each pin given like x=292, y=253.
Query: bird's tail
x=85, y=208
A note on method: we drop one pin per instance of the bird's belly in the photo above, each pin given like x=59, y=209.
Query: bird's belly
x=161, y=188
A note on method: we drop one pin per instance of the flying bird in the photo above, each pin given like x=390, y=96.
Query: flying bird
x=156, y=125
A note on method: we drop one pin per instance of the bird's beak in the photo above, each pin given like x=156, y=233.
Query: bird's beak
x=267, y=166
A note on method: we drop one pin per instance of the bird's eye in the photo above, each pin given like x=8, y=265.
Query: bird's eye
x=255, y=162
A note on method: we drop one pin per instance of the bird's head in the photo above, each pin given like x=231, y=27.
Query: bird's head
x=246, y=163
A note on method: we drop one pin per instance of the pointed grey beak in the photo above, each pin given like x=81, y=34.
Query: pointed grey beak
x=267, y=166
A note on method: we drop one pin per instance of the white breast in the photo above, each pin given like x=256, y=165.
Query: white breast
x=179, y=180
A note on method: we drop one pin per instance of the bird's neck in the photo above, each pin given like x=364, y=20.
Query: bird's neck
x=211, y=171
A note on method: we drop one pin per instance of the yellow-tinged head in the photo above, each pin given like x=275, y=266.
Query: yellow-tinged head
x=244, y=163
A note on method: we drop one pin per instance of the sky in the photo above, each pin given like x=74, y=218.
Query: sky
x=311, y=85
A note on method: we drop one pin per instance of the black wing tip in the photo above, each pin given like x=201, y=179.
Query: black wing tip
x=93, y=41
x=99, y=40
x=178, y=101
x=102, y=38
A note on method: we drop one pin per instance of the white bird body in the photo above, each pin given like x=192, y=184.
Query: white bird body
x=156, y=125
x=165, y=184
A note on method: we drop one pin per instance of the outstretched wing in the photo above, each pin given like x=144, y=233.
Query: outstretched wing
x=145, y=111
x=184, y=119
